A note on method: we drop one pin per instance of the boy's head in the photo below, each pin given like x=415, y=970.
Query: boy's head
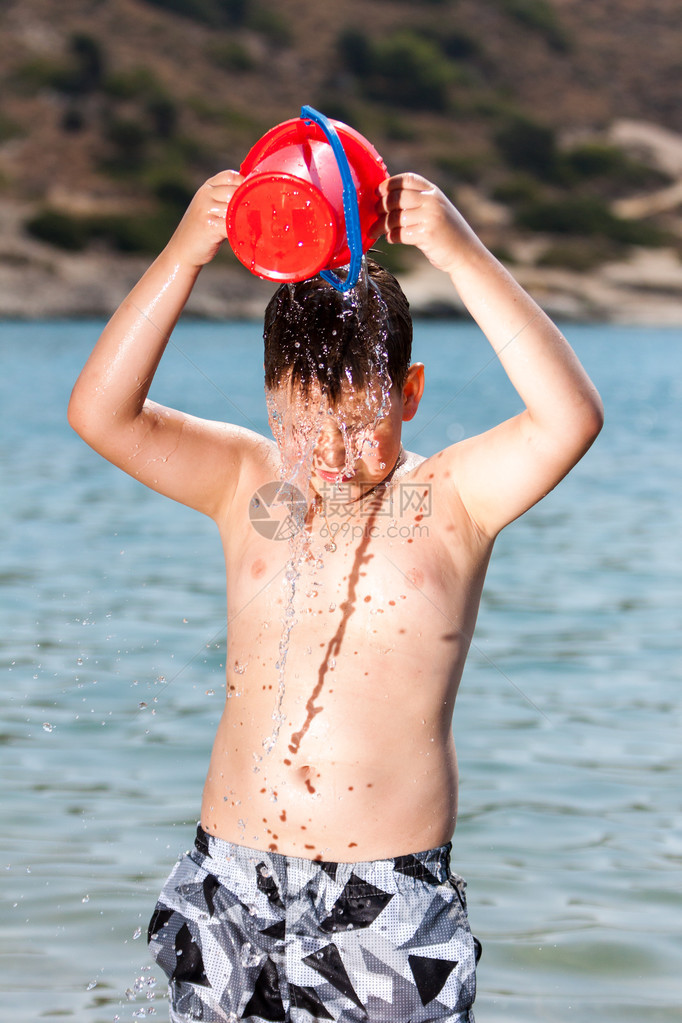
x=339, y=380
x=318, y=338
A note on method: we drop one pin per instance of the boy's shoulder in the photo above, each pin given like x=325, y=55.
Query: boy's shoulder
x=432, y=484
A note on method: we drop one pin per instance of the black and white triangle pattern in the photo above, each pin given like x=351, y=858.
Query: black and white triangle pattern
x=259, y=936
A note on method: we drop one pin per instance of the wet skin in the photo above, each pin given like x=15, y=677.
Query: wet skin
x=364, y=765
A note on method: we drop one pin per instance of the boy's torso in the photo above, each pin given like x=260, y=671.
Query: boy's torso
x=336, y=739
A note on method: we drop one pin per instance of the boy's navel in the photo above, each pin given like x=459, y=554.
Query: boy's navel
x=308, y=774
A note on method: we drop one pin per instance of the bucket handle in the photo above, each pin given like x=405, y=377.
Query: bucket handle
x=351, y=210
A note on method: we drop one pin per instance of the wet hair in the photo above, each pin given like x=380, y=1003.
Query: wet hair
x=316, y=335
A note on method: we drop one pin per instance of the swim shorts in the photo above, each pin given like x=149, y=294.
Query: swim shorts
x=248, y=935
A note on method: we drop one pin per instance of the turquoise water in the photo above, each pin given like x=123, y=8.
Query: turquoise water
x=567, y=724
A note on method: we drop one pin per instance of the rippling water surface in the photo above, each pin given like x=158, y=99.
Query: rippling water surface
x=567, y=724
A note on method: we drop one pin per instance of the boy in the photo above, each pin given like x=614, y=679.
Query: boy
x=319, y=885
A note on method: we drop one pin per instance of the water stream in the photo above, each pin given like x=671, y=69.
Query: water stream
x=298, y=415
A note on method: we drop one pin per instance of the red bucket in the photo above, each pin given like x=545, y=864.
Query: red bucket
x=286, y=220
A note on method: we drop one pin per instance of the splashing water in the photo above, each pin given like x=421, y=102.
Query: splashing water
x=297, y=420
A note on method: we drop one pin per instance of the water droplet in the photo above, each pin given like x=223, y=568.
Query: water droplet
x=86, y=898
x=91, y=985
x=249, y=956
x=136, y=933
x=47, y=727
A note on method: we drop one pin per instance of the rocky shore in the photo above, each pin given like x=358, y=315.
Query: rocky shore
x=39, y=282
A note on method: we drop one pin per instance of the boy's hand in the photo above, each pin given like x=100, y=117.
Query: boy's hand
x=413, y=211
x=203, y=229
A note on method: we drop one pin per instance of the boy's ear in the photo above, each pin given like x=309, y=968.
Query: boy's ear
x=413, y=388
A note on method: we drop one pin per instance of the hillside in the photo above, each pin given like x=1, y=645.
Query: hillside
x=554, y=124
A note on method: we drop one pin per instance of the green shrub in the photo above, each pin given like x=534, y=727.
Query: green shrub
x=464, y=167
x=216, y=13
x=399, y=129
x=162, y=113
x=599, y=161
x=503, y=253
x=529, y=146
x=274, y=26
x=59, y=229
x=455, y=44
x=88, y=65
x=174, y=193
x=541, y=17
x=460, y=45
x=144, y=233
x=137, y=84
x=519, y=189
x=231, y=55
x=579, y=254
x=356, y=52
x=37, y=74
x=128, y=146
x=404, y=70
x=9, y=129
x=79, y=75
x=587, y=216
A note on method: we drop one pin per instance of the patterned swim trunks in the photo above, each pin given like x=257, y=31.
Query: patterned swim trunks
x=248, y=935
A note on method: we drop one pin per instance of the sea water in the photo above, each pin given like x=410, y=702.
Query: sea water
x=567, y=722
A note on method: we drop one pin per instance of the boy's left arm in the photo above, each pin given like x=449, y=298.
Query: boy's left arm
x=503, y=472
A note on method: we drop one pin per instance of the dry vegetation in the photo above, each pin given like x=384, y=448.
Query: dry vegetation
x=114, y=110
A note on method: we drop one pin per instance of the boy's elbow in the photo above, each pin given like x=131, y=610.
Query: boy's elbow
x=78, y=417
x=74, y=415
x=595, y=417
x=591, y=421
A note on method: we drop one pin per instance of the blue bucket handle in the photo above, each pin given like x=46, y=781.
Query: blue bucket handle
x=351, y=210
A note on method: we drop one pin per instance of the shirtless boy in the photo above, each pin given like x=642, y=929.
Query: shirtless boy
x=319, y=886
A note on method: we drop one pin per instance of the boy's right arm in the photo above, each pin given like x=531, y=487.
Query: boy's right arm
x=194, y=461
